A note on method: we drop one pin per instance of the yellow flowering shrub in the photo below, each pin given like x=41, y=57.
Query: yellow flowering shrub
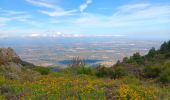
x=130, y=92
x=76, y=87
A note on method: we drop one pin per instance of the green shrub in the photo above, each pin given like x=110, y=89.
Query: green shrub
x=152, y=71
x=102, y=72
x=113, y=73
x=85, y=70
x=165, y=76
x=165, y=73
x=136, y=59
x=117, y=72
x=43, y=70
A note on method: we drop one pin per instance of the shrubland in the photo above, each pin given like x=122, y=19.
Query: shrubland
x=139, y=77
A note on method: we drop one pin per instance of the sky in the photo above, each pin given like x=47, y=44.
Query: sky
x=136, y=18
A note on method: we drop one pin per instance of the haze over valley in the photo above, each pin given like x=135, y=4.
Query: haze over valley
x=48, y=51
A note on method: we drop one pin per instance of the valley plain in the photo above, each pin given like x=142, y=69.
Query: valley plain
x=53, y=51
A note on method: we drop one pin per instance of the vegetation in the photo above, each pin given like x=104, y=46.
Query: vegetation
x=155, y=64
x=113, y=73
x=42, y=70
x=135, y=78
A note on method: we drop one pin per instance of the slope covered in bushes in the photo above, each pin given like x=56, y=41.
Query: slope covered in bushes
x=135, y=78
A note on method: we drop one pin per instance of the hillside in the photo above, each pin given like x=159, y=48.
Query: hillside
x=135, y=78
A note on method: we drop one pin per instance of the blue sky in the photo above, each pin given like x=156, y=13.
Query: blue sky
x=147, y=18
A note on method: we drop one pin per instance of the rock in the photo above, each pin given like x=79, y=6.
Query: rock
x=8, y=55
x=11, y=60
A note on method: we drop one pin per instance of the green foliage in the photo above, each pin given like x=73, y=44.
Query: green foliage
x=165, y=73
x=102, y=71
x=165, y=76
x=113, y=73
x=117, y=72
x=135, y=59
x=152, y=71
x=161, y=72
x=152, y=52
x=85, y=70
x=125, y=59
x=165, y=47
x=43, y=70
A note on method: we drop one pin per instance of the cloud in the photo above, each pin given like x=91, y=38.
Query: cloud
x=35, y=35
x=4, y=21
x=8, y=16
x=41, y=3
x=56, y=10
x=57, y=14
x=85, y=5
x=133, y=7
x=128, y=16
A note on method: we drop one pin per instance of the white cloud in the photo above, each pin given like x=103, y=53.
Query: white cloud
x=11, y=12
x=17, y=16
x=56, y=14
x=4, y=19
x=56, y=10
x=128, y=16
x=35, y=35
x=46, y=4
x=85, y=5
x=133, y=7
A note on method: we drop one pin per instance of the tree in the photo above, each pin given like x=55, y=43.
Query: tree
x=125, y=59
x=137, y=58
x=163, y=48
x=151, y=52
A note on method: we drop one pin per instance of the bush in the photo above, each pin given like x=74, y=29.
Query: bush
x=152, y=71
x=85, y=70
x=135, y=59
x=165, y=76
x=102, y=72
x=152, y=52
x=43, y=70
x=117, y=72
x=77, y=62
x=113, y=73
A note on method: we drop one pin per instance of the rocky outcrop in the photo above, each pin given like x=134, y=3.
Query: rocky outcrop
x=10, y=60
x=8, y=55
x=12, y=67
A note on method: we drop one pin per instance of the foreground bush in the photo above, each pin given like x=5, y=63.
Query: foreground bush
x=165, y=76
